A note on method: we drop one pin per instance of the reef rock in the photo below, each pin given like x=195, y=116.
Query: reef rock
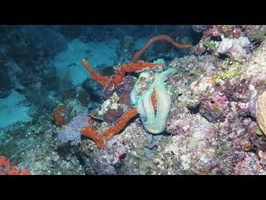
x=261, y=112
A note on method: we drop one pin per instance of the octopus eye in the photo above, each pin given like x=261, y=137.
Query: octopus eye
x=142, y=78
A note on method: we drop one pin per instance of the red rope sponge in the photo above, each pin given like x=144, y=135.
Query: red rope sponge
x=156, y=38
x=100, y=139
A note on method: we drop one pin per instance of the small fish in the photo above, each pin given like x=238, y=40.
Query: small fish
x=72, y=64
x=96, y=117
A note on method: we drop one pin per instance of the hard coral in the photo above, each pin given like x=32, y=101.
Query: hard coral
x=215, y=107
x=112, y=115
x=230, y=31
x=123, y=91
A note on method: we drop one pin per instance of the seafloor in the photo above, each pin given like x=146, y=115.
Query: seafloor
x=208, y=116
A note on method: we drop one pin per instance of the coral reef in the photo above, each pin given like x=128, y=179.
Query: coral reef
x=146, y=104
x=7, y=169
x=260, y=112
x=123, y=91
x=212, y=36
x=203, y=113
x=100, y=139
x=256, y=32
x=71, y=132
x=61, y=115
x=234, y=46
x=213, y=133
x=111, y=116
x=215, y=107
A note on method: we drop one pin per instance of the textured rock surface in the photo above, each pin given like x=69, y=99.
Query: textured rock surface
x=261, y=112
